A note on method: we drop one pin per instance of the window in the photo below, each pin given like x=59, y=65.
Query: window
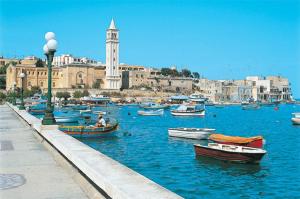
x=114, y=59
x=53, y=84
x=170, y=83
x=42, y=84
x=29, y=83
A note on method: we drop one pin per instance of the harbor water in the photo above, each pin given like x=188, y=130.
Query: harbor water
x=142, y=144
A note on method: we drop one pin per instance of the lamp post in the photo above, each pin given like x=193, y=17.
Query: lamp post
x=14, y=95
x=49, y=50
x=22, y=107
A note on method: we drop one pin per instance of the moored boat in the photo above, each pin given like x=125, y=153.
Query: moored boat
x=188, y=110
x=256, y=142
x=152, y=112
x=250, y=107
x=231, y=153
x=296, y=121
x=89, y=131
x=191, y=133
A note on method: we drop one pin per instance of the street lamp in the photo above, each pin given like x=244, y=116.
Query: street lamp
x=14, y=94
x=22, y=107
x=49, y=50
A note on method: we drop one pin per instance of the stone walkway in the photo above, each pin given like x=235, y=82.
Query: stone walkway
x=27, y=169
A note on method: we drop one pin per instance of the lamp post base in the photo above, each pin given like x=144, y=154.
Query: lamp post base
x=21, y=107
x=48, y=118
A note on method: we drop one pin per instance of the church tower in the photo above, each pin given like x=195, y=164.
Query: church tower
x=113, y=77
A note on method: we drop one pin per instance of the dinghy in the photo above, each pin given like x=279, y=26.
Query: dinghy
x=151, y=113
x=231, y=153
x=191, y=133
x=188, y=110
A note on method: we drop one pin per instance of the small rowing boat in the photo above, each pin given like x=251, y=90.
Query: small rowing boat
x=188, y=110
x=256, y=142
x=89, y=131
x=231, y=153
x=296, y=119
x=151, y=113
x=191, y=133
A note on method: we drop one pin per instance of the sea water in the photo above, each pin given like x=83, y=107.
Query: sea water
x=142, y=143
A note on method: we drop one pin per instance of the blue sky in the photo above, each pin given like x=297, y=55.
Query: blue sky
x=219, y=39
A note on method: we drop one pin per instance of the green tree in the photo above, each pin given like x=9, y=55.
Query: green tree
x=169, y=72
x=2, y=82
x=96, y=85
x=85, y=93
x=77, y=94
x=186, y=73
x=36, y=89
x=64, y=95
x=196, y=75
x=39, y=63
x=2, y=96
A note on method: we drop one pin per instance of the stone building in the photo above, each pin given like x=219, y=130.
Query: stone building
x=153, y=79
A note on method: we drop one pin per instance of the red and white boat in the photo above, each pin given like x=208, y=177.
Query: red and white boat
x=230, y=153
x=255, y=142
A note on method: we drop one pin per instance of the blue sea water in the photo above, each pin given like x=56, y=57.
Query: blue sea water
x=142, y=144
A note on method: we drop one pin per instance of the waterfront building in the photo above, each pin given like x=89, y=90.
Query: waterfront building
x=113, y=78
x=5, y=61
x=152, y=79
x=67, y=59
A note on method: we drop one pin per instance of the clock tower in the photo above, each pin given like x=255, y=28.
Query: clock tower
x=113, y=77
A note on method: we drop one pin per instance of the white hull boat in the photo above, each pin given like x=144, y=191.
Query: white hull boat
x=188, y=113
x=296, y=120
x=151, y=113
x=296, y=115
x=191, y=133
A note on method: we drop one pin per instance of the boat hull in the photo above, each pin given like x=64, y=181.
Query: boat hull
x=88, y=131
x=196, y=113
x=254, y=144
x=198, y=135
x=296, y=121
x=227, y=155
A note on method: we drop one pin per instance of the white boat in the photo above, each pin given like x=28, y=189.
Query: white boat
x=151, y=113
x=85, y=111
x=296, y=115
x=191, y=133
x=99, y=112
x=296, y=120
x=198, y=98
x=188, y=110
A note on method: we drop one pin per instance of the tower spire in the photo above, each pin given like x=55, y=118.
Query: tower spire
x=112, y=24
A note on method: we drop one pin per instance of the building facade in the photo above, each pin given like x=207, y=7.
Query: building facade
x=67, y=59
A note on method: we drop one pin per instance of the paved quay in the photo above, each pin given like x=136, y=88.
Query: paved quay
x=27, y=168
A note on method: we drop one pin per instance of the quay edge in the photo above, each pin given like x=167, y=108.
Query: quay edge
x=97, y=174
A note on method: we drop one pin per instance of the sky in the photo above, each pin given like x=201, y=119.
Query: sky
x=220, y=39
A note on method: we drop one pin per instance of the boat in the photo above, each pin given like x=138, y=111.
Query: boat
x=250, y=107
x=188, y=110
x=178, y=99
x=296, y=121
x=296, y=118
x=191, y=133
x=256, y=142
x=197, y=98
x=37, y=109
x=152, y=112
x=100, y=100
x=99, y=112
x=66, y=117
x=85, y=111
x=232, y=153
x=219, y=105
x=151, y=105
x=89, y=131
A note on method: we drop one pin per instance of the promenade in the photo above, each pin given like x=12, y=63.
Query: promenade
x=27, y=168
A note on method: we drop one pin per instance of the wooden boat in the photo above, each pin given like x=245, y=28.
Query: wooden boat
x=152, y=112
x=89, y=131
x=256, y=142
x=296, y=121
x=191, y=133
x=184, y=110
x=231, y=153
